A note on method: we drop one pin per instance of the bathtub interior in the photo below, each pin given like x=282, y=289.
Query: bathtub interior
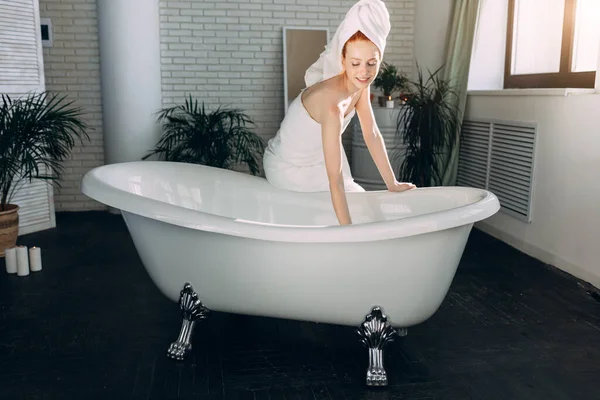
x=252, y=199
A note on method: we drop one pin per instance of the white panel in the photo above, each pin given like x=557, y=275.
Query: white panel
x=22, y=72
x=499, y=156
x=36, y=206
x=36, y=202
x=21, y=60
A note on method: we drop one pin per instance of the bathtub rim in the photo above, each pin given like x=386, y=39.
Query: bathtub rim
x=99, y=190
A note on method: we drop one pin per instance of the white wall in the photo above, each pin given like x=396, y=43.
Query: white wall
x=565, y=224
x=432, y=18
x=72, y=68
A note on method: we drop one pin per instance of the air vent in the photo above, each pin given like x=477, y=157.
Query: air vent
x=474, y=154
x=499, y=156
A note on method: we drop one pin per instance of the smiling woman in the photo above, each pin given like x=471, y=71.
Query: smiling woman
x=306, y=154
x=360, y=45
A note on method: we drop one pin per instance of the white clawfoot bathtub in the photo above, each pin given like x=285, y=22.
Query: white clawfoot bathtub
x=247, y=247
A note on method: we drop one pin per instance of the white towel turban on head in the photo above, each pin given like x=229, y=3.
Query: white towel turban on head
x=371, y=17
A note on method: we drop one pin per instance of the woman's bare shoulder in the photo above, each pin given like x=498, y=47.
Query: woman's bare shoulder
x=320, y=100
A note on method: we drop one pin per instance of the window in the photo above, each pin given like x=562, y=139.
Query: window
x=552, y=43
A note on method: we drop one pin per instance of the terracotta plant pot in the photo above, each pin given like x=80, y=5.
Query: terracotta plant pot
x=9, y=227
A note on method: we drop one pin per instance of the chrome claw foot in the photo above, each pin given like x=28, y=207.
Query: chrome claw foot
x=376, y=332
x=177, y=350
x=192, y=310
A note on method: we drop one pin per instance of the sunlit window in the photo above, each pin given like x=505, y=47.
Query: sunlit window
x=552, y=43
x=537, y=36
x=586, y=37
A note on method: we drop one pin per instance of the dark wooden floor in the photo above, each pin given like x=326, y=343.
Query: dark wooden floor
x=92, y=325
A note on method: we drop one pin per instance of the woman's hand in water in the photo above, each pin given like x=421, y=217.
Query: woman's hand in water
x=400, y=186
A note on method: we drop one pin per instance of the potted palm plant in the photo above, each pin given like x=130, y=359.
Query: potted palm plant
x=428, y=123
x=390, y=81
x=218, y=138
x=37, y=132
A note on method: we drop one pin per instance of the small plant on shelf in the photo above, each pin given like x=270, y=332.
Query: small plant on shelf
x=390, y=81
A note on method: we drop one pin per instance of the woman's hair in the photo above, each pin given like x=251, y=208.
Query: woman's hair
x=355, y=38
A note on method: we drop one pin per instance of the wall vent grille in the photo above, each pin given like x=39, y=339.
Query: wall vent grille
x=499, y=156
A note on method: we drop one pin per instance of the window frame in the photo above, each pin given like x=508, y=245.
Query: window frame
x=562, y=79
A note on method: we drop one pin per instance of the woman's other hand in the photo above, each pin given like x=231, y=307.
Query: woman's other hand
x=400, y=186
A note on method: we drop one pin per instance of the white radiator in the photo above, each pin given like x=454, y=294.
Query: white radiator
x=499, y=156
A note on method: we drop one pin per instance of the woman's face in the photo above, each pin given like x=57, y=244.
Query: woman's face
x=361, y=63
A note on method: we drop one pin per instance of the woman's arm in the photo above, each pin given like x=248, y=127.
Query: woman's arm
x=332, y=148
x=376, y=144
x=373, y=138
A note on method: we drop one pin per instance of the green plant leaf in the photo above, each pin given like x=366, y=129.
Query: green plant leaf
x=220, y=138
x=390, y=80
x=37, y=131
x=428, y=123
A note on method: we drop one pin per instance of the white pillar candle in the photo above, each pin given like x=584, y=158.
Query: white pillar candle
x=10, y=257
x=389, y=102
x=35, y=259
x=22, y=261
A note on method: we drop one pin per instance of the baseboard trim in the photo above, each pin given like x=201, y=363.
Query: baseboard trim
x=540, y=254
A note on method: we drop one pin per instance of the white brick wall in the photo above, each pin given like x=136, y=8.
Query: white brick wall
x=72, y=68
x=230, y=52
